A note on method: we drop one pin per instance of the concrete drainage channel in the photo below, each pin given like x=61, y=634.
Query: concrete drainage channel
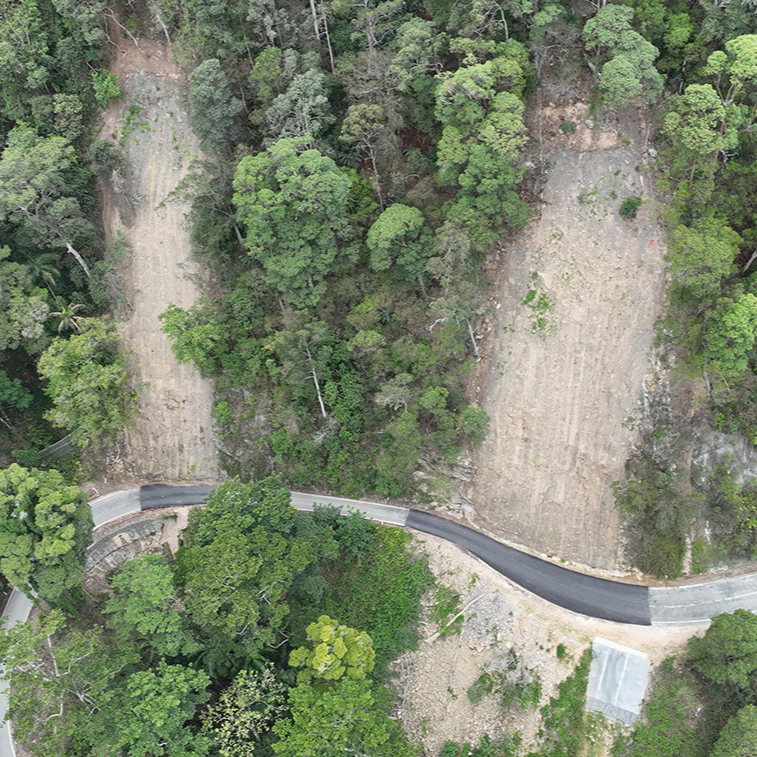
x=580, y=593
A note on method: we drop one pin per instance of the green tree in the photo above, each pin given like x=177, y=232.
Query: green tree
x=148, y=712
x=629, y=68
x=87, y=381
x=23, y=307
x=145, y=605
x=739, y=735
x=343, y=719
x=212, y=107
x=293, y=202
x=68, y=315
x=245, y=711
x=106, y=88
x=735, y=69
x=481, y=110
x=60, y=683
x=45, y=529
x=303, y=349
x=236, y=585
x=198, y=335
x=699, y=122
x=729, y=336
x=364, y=126
x=474, y=423
x=244, y=507
x=35, y=183
x=336, y=651
x=24, y=55
x=400, y=237
x=727, y=653
x=302, y=110
x=700, y=258
x=13, y=394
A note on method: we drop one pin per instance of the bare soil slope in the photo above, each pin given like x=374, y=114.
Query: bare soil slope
x=499, y=618
x=173, y=437
x=582, y=289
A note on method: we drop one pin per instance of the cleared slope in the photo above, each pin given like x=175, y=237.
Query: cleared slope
x=559, y=389
x=173, y=437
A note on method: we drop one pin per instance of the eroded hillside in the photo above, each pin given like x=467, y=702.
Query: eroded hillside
x=581, y=292
x=173, y=435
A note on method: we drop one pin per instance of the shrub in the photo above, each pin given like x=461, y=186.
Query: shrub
x=630, y=207
x=106, y=156
x=106, y=87
x=567, y=127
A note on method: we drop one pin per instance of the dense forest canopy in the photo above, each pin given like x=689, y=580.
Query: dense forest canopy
x=360, y=159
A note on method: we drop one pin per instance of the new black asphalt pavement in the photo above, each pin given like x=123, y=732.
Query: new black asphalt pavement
x=588, y=595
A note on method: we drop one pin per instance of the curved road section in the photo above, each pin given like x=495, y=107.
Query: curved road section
x=588, y=595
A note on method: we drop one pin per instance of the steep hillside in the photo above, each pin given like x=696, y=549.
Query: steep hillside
x=582, y=289
x=173, y=435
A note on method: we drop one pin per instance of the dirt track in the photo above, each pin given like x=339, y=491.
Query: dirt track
x=173, y=437
x=568, y=366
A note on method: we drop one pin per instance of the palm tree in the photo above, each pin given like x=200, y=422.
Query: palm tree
x=42, y=268
x=68, y=317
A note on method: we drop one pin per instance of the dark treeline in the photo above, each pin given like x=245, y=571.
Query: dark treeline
x=54, y=272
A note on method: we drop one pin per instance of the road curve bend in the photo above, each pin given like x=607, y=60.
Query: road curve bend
x=587, y=595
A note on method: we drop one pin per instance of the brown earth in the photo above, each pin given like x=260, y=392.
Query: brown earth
x=432, y=682
x=571, y=341
x=173, y=438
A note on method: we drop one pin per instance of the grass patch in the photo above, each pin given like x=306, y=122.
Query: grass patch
x=540, y=305
x=507, y=746
x=515, y=684
x=563, y=718
x=629, y=208
x=446, y=606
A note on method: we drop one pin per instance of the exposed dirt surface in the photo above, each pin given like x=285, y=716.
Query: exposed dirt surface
x=173, y=438
x=502, y=618
x=571, y=341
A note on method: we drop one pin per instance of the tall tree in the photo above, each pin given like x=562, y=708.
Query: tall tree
x=239, y=563
x=145, y=605
x=730, y=334
x=336, y=651
x=23, y=307
x=88, y=383
x=727, y=653
x=400, y=237
x=343, y=719
x=293, y=201
x=628, y=70
x=700, y=258
x=245, y=712
x=212, y=106
x=302, y=110
x=364, y=126
x=61, y=680
x=35, y=191
x=739, y=735
x=45, y=529
x=148, y=713
x=237, y=506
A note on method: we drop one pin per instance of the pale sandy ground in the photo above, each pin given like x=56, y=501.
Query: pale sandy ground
x=432, y=682
x=558, y=396
x=173, y=438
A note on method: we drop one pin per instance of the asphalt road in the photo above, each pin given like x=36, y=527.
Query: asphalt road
x=588, y=595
